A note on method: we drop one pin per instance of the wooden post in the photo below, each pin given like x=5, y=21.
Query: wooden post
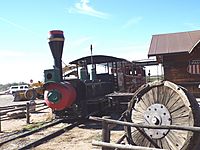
x=120, y=146
x=105, y=132
x=0, y=122
x=28, y=113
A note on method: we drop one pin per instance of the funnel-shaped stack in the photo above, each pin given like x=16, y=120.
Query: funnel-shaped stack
x=56, y=43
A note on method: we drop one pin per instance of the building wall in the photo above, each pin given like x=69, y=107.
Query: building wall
x=176, y=70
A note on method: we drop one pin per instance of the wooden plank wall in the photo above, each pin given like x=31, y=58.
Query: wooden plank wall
x=175, y=70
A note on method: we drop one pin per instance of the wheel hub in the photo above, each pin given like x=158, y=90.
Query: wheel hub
x=157, y=114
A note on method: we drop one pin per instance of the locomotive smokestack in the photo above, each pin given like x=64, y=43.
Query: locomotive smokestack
x=56, y=43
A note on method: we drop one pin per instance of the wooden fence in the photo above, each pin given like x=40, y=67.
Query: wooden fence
x=106, y=122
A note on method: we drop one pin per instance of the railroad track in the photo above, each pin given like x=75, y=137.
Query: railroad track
x=38, y=136
x=49, y=136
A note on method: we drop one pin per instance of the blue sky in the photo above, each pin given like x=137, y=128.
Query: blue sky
x=121, y=28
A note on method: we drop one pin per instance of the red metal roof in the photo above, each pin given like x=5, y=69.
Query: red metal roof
x=180, y=42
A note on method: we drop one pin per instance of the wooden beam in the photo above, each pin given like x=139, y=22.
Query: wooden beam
x=28, y=113
x=120, y=146
x=105, y=131
x=0, y=121
x=172, y=127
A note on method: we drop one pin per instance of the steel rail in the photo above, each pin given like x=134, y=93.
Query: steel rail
x=49, y=136
x=31, y=132
x=57, y=133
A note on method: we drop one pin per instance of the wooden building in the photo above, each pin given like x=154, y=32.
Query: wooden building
x=179, y=53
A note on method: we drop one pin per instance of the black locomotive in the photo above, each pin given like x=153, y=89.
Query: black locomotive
x=84, y=94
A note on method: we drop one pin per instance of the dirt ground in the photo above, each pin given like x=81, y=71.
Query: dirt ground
x=79, y=138
x=76, y=139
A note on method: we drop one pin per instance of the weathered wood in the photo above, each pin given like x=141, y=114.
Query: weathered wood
x=18, y=107
x=120, y=146
x=171, y=127
x=121, y=138
x=105, y=131
x=12, y=106
x=12, y=110
x=0, y=122
x=175, y=70
x=27, y=113
x=32, y=106
x=16, y=114
x=42, y=108
x=170, y=106
x=146, y=139
x=119, y=94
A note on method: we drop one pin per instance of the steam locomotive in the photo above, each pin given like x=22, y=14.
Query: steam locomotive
x=85, y=94
x=70, y=97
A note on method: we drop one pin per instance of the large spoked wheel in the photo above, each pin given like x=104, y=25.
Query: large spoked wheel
x=163, y=103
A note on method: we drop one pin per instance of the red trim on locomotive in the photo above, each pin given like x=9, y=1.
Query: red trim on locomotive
x=67, y=91
x=56, y=32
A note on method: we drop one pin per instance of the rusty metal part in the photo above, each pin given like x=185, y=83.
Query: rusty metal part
x=163, y=103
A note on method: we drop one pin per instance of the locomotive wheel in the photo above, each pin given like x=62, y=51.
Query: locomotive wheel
x=163, y=103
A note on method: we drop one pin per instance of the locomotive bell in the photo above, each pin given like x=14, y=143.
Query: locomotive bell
x=56, y=44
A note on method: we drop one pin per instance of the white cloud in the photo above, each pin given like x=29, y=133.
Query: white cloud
x=131, y=22
x=83, y=7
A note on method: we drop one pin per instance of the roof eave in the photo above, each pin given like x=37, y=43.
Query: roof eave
x=190, y=51
x=162, y=54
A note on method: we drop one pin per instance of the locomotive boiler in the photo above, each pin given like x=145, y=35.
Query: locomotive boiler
x=72, y=97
